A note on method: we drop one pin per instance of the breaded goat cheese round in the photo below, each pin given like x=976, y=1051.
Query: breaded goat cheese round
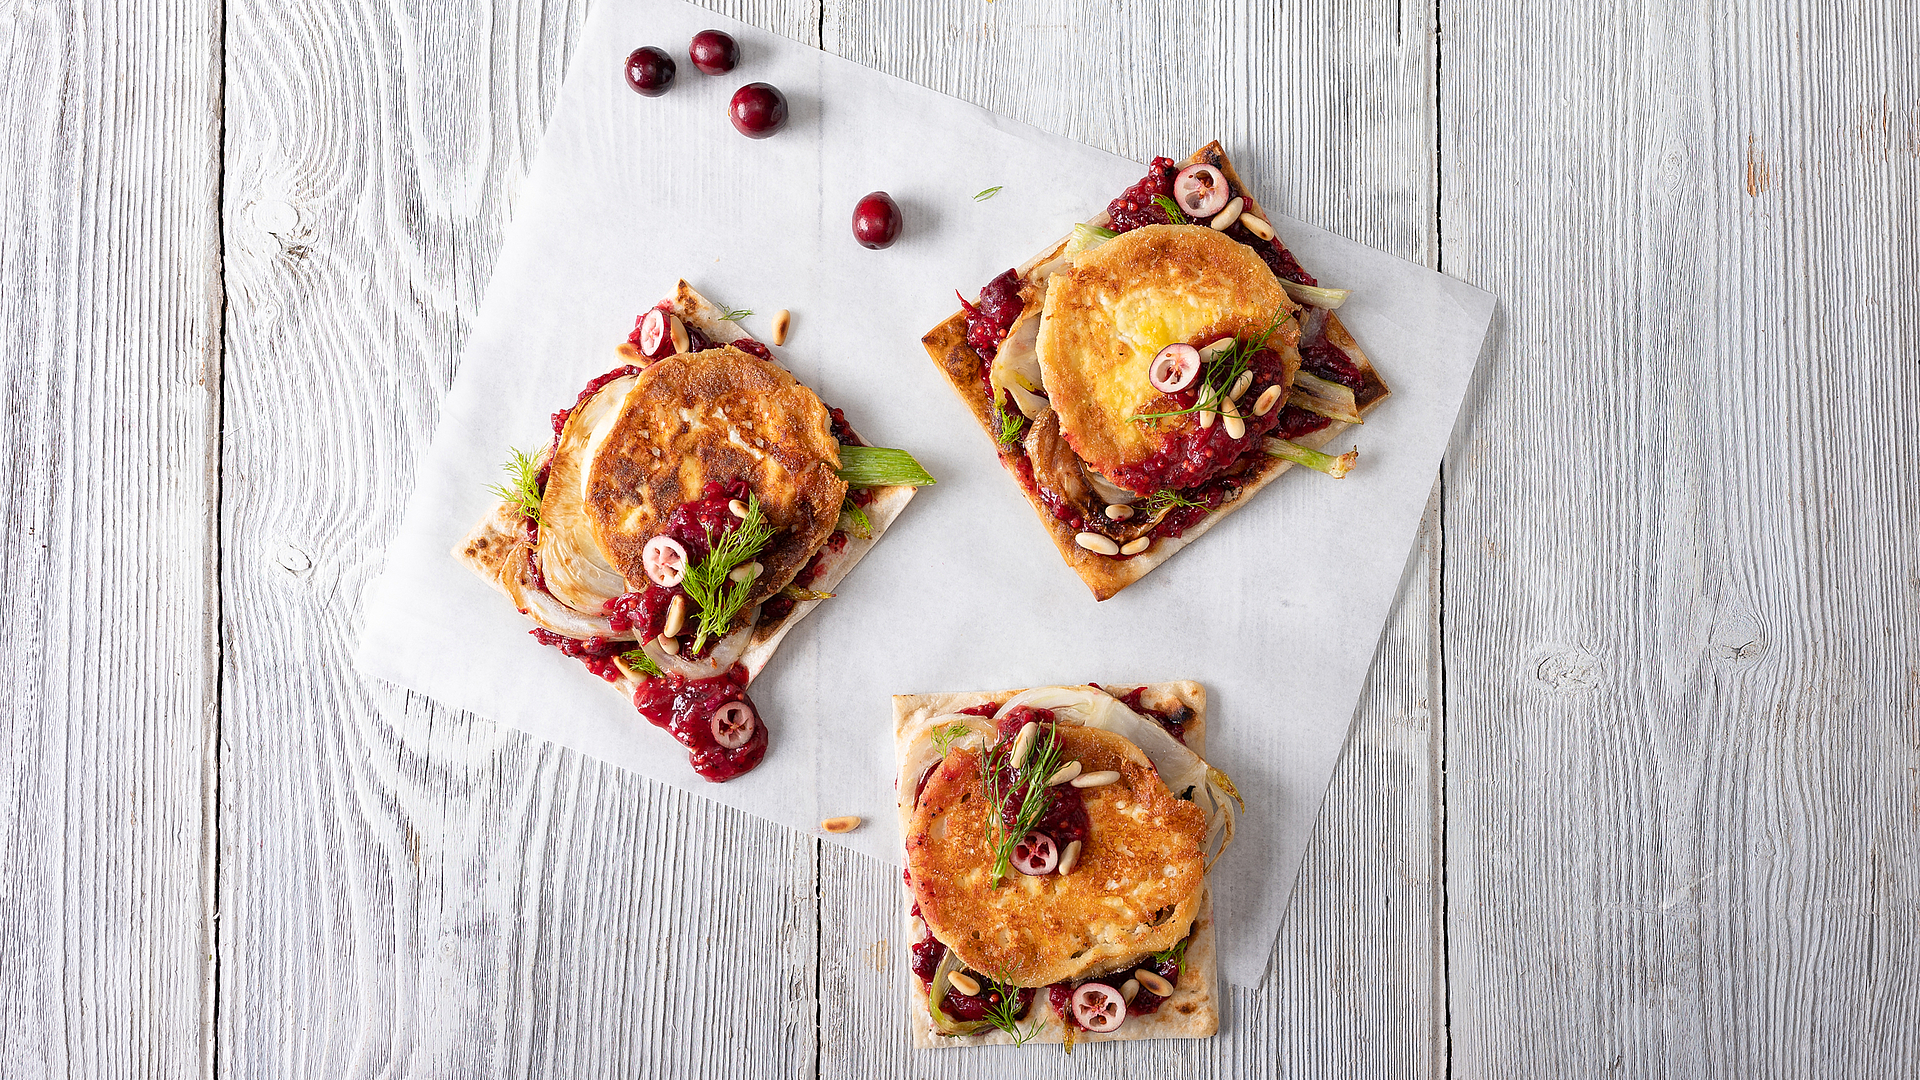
x=717, y=415
x=1135, y=889
x=1106, y=317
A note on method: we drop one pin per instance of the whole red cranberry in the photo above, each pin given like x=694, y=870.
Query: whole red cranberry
x=757, y=110
x=876, y=220
x=649, y=71
x=714, y=52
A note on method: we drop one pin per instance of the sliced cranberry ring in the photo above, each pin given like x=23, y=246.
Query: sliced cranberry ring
x=664, y=560
x=733, y=724
x=662, y=334
x=1174, y=368
x=1099, y=1007
x=1200, y=190
x=1035, y=854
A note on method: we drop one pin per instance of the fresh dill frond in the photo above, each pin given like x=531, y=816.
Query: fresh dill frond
x=943, y=737
x=1030, y=780
x=1175, y=953
x=719, y=597
x=988, y=194
x=639, y=661
x=854, y=519
x=734, y=315
x=1172, y=209
x=1219, y=372
x=1012, y=424
x=1167, y=499
x=522, y=489
x=1005, y=1014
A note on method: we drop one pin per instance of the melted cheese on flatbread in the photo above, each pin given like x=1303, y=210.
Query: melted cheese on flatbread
x=717, y=415
x=1135, y=890
x=1120, y=304
x=577, y=572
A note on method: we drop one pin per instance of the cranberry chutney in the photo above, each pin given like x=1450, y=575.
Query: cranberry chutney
x=1201, y=467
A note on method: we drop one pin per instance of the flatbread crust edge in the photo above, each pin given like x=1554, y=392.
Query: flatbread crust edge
x=1193, y=1012
x=947, y=345
x=486, y=548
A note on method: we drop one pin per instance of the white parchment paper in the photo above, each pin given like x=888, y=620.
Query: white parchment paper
x=965, y=592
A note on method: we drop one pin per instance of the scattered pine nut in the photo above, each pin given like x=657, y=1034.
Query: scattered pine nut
x=781, y=320
x=841, y=824
x=1095, y=779
x=1225, y=219
x=1136, y=545
x=1257, y=226
x=1069, y=858
x=1064, y=773
x=737, y=508
x=676, y=617
x=964, y=983
x=1153, y=983
x=1099, y=545
x=1023, y=744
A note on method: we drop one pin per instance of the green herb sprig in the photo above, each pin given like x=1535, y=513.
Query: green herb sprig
x=1172, y=209
x=854, y=519
x=639, y=661
x=734, y=315
x=987, y=194
x=943, y=738
x=1005, y=1014
x=1012, y=425
x=719, y=597
x=1030, y=780
x=1167, y=499
x=1174, y=953
x=1219, y=372
x=522, y=489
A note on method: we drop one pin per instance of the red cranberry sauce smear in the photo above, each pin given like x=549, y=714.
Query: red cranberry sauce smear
x=927, y=954
x=989, y=320
x=684, y=707
x=1325, y=359
x=1146, y=1002
x=1296, y=422
x=595, y=652
x=965, y=1007
x=1065, y=818
x=1175, y=722
x=1135, y=206
x=1193, y=454
x=987, y=709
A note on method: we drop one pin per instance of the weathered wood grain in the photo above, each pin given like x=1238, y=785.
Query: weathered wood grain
x=1331, y=112
x=1683, y=733
x=109, y=309
x=406, y=891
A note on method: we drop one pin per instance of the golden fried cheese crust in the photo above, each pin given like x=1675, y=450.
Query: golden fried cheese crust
x=1136, y=889
x=718, y=415
x=1124, y=301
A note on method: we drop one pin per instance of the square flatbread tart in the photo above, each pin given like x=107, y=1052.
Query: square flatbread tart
x=1080, y=912
x=1143, y=377
x=695, y=504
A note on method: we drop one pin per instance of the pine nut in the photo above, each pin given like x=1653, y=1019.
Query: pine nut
x=1236, y=428
x=1023, y=744
x=1224, y=219
x=1069, y=858
x=1153, y=983
x=1225, y=344
x=781, y=320
x=1257, y=226
x=676, y=618
x=841, y=824
x=737, y=508
x=1130, y=990
x=745, y=573
x=1240, y=386
x=1099, y=545
x=1119, y=512
x=630, y=354
x=1206, y=415
x=1136, y=545
x=1095, y=779
x=670, y=645
x=964, y=983
x=1267, y=400
x=679, y=333
x=1064, y=773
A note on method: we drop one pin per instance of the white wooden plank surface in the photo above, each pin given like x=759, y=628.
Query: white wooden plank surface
x=1681, y=564
x=109, y=309
x=1680, y=754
